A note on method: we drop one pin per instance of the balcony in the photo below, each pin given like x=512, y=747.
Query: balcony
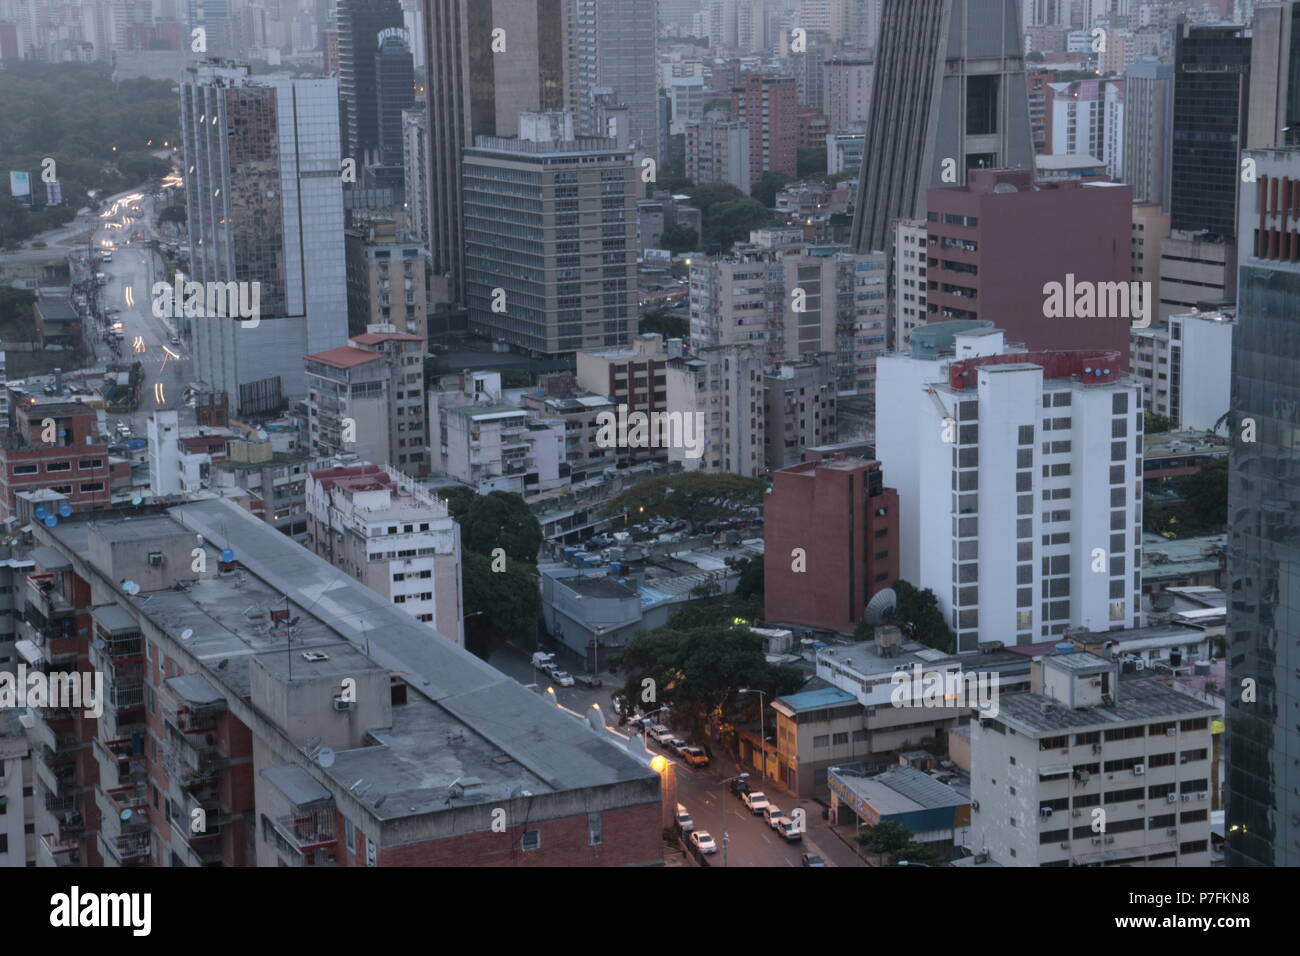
x=57, y=771
x=119, y=764
x=189, y=765
x=129, y=849
x=51, y=851
x=44, y=596
x=309, y=829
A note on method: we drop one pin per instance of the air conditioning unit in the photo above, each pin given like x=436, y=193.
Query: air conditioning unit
x=1170, y=732
x=1172, y=798
x=1077, y=813
x=341, y=703
x=1187, y=798
x=1110, y=839
x=1203, y=795
x=1065, y=846
x=974, y=804
x=1172, y=831
x=1096, y=748
x=1096, y=841
x=1044, y=811
x=1139, y=769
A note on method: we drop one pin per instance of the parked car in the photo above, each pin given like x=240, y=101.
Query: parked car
x=703, y=842
x=684, y=819
x=586, y=680
x=774, y=816
x=676, y=745
x=661, y=734
x=812, y=859
x=756, y=800
x=790, y=831
x=542, y=660
x=739, y=787
x=695, y=756
x=563, y=678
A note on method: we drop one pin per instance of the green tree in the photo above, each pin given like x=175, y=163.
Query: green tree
x=499, y=605
x=917, y=613
x=893, y=842
x=1206, y=495
x=17, y=320
x=667, y=324
x=732, y=221
x=750, y=584
x=679, y=239
x=501, y=519
x=1154, y=423
x=723, y=611
x=516, y=378
x=811, y=161
x=696, y=672
x=458, y=498
x=768, y=185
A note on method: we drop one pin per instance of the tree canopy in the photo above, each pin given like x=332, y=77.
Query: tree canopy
x=696, y=673
x=893, y=842
x=98, y=133
x=918, y=614
x=667, y=324
x=693, y=495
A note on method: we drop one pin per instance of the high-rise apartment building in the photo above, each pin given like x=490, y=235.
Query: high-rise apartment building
x=911, y=257
x=717, y=151
x=472, y=90
x=550, y=240
x=393, y=536
x=264, y=201
x=415, y=172
x=1082, y=740
x=367, y=398
x=361, y=24
x=831, y=532
x=1026, y=468
x=995, y=243
x=799, y=401
x=1086, y=117
x=386, y=280
x=1263, y=809
x=394, y=93
x=847, y=97
x=766, y=105
x=949, y=96
x=612, y=44
x=1148, y=130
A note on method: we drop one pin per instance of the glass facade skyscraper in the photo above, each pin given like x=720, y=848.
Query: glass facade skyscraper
x=1263, y=683
x=1211, y=85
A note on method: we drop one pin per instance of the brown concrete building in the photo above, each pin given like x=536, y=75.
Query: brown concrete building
x=769, y=106
x=835, y=519
x=997, y=241
x=386, y=280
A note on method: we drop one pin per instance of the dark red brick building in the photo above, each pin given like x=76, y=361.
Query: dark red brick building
x=997, y=241
x=845, y=521
x=74, y=462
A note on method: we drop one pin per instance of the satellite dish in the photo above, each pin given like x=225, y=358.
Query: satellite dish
x=881, y=603
x=187, y=634
x=136, y=501
x=126, y=815
x=227, y=555
x=51, y=521
x=41, y=512
x=65, y=510
x=130, y=587
x=326, y=757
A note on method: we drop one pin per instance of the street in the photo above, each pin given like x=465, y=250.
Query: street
x=166, y=367
x=752, y=842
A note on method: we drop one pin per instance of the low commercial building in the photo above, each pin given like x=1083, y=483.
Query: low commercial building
x=933, y=806
x=1088, y=769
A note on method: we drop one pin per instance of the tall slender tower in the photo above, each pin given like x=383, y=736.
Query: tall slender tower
x=360, y=24
x=612, y=44
x=486, y=61
x=1263, y=737
x=949, y=95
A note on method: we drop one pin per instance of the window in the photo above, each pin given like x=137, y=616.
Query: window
x=593, y=829
x=26, y=469
x=59, y=466
x=822, y=740
x=840, y=739
x=532, y=840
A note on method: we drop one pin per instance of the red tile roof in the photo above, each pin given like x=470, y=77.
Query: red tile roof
x=344, y=356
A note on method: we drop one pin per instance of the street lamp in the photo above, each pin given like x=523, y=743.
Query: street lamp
x=762, y=729
x=722, y=806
